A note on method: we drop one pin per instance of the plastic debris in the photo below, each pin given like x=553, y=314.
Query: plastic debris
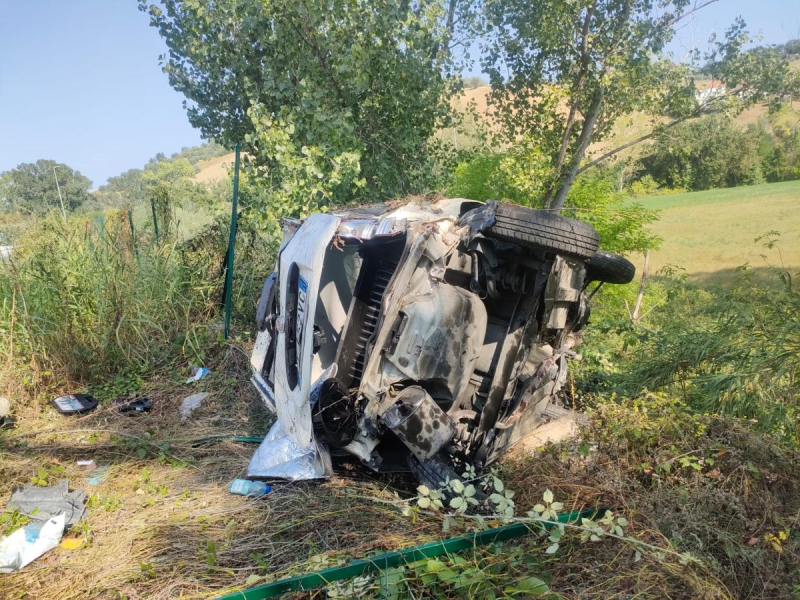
x=74, y=404
x=99, y=475
x=6, y=420
x=191, y=403
x=245, y=487
x=89, y=465
x=198, y=373
x=28, y=543
x=279, y=457
x=44, y=503
x=136, y=406
x=72, y=543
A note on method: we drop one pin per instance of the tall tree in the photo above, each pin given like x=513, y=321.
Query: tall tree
x=325, y=96
x=564, y=71
x=125, y=188
x=34, y=187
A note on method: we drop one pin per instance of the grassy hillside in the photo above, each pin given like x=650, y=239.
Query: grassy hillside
x=712, y=233
x=214, y=169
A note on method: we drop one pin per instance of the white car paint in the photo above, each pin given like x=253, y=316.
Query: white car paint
x=307, y=250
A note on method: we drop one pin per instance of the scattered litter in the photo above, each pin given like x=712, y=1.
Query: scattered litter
x=28, y=543
x=280, y=457
x=43, y=503
x=245, y=487
x=72, y=543
x=133, y=407
x=6, y=420
x=191, y=403
x=74, y=404
x=99, y=475
x=89, y=465
x=198, y=373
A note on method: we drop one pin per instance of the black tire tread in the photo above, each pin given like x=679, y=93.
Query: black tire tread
x=544, y=230
x=610, y=268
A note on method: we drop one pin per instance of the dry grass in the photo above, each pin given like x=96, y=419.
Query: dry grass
x=165, y=525
x=721, y=514
x=215, y=169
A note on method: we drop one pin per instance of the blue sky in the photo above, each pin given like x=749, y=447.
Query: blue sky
x=80, y=81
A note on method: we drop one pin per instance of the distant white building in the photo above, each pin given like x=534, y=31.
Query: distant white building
x=5, y=251
x=708, y=90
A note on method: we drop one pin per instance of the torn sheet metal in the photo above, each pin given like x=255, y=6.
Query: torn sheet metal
x=279, y=457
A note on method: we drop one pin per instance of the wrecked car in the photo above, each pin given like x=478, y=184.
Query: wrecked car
x=420, y=337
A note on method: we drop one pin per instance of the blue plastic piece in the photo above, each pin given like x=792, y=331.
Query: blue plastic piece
x=245, y=487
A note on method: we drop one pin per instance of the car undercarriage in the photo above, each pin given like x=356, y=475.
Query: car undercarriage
x=423, y=337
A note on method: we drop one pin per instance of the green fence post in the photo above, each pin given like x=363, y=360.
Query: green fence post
x=231, y=245
x=155, y=219
x=133, y=233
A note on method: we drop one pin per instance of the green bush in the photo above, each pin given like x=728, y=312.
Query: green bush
x=647, y=186
x=622, y=226
x=518, y=175
x=731, y=352
x=476, y=179
x=704, y=154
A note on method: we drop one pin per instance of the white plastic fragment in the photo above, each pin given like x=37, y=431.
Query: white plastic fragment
x=198, y=373
x=191, y=403
x=28, y=543
x=5, y=407
x=279, y=457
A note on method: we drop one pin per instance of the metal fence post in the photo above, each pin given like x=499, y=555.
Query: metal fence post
x=155, y=218
x=231, y=245
x=133, y=233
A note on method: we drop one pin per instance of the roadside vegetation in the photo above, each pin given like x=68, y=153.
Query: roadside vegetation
x=692, y=441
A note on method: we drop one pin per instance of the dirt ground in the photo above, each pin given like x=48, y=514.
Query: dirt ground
x=162, y=523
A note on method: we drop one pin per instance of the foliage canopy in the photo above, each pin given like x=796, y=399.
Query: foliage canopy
x=31, y=187
x=704, y=154
x=563, y=72
x=330, y=100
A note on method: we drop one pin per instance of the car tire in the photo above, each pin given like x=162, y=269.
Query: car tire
x=609, y=268
x=543, y=230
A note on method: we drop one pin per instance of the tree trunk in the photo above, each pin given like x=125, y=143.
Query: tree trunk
x=573, y=109
x=583, y=143
x=640, y=297
x=449, y=27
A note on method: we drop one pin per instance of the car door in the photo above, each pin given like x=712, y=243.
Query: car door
x=300, y=271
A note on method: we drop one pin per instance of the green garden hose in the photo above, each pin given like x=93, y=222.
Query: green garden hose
x=395, y=559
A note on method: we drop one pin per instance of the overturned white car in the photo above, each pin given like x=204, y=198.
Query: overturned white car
x=420, y=338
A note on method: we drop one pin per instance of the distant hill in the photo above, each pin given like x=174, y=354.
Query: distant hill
x=214, y=169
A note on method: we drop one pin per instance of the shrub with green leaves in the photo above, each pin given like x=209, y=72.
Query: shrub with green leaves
x=724, y=351
x=704, y=154
x=519, y=175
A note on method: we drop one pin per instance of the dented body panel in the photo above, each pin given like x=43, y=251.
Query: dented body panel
x=415, y=336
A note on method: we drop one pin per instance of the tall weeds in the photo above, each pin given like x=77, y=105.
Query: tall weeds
x=84, y=300
x=732, y=351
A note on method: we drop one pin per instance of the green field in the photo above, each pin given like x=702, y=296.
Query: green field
x=710, y=234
